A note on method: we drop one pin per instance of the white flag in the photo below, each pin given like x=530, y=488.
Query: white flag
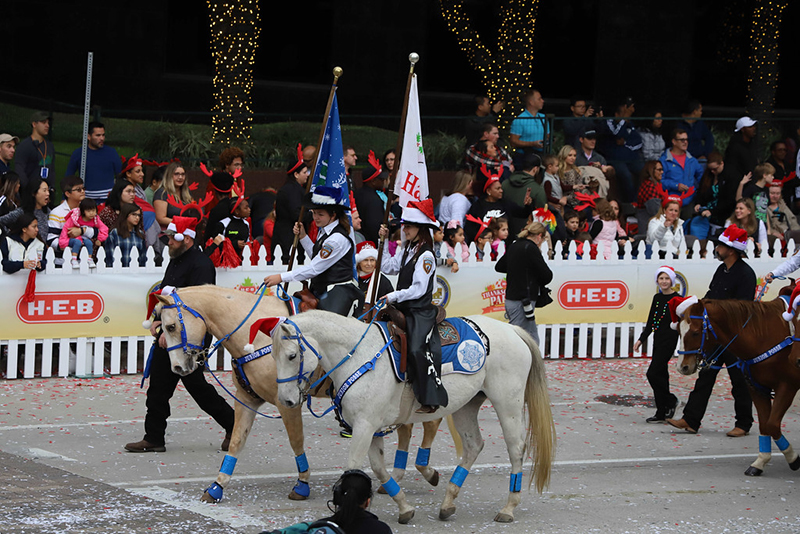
x=412, y=174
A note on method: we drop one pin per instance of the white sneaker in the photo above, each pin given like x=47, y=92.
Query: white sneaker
x=92, y=264
x=76, y=263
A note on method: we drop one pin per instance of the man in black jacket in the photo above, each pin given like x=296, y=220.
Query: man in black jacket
x=734, y=279
x=188, y=266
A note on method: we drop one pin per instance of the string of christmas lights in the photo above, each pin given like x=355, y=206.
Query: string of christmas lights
x=505, y=71
x=762, y=77
x=235, y=29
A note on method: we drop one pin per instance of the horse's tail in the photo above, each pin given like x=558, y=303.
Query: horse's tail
x=540, y=438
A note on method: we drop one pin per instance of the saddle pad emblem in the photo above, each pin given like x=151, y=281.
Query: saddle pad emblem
x=471, y=355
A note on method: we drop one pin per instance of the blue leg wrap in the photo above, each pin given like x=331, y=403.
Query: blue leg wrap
x=764, y=444
x=228, y=463
x=302, y=488
x=215, y=491
x=459, y=476
x=423, y=455
x=515, y=486
x=400, y=459
x=782, y=443
x=391, y=487
x=302, y=463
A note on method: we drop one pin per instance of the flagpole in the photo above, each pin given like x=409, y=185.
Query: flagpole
x=337, y=73
x=413, y=57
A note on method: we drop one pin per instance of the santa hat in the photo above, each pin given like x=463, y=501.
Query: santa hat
x=794, y=301
x=373, y=168
x=734, y=237
x=132, y=162
x=326, y=197
x=152, y=301
x=669, y=272
x=267, y=326
x=490, y=178
x=364, y=250
x=420, y=212
x=678, y=306
x=299, y=163
x=183, y=226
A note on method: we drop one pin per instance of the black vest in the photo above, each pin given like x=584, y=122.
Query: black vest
x=339, y=272
x=406, y=277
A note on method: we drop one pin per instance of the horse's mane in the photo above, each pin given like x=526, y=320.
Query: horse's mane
x=761, y=317
x=235, y=297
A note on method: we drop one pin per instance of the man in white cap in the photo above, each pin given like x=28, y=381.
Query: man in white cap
x=741, y=156
x=8, y=145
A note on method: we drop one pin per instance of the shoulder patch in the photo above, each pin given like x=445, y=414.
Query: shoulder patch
x=427, y=265
x=327, y=250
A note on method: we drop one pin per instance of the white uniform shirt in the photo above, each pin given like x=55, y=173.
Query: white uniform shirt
x=334, y=248
x=423, y=271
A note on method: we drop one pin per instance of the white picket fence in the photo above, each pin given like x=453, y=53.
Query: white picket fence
x=29, y=358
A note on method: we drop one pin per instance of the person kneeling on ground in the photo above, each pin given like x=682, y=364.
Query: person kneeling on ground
x=352, y=495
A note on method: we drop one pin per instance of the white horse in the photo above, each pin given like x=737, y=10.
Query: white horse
x=219, y=311
x=512, y=378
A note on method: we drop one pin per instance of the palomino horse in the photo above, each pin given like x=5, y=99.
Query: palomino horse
x=219, y=311
x=756, y=334
x=512, y=378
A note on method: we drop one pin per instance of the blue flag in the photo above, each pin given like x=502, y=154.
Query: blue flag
x=330, y=168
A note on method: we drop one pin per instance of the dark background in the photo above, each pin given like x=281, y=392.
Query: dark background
x=152, y=57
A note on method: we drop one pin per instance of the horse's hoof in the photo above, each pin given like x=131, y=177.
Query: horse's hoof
x=504, y=518
x=405, y=517
x=208, y=498
x=296, y=496
x=445, y=513
x=794, y=466
x=434, y=481
x=753, y=471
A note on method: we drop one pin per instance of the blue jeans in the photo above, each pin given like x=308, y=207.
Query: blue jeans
x=75, y=243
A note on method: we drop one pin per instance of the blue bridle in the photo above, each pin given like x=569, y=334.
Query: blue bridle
x=184, y=344
x=303, y=378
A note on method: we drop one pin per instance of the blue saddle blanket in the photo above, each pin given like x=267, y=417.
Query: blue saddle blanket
x=464, y=347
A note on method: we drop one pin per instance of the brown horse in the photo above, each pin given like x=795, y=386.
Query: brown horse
x=221, y=310
x=756, y=334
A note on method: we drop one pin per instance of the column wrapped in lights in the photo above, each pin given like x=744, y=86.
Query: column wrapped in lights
x=762, y=78
x=505, y=70
x=235, y=29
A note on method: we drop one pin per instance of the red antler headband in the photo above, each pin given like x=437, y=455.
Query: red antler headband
x=239, y=197
x=130, y=163
x=587, y=200
x=376, y=164
x=482, y=225
x=300, y=161
x=667, y=198
x=490, y=178
x=199, y=205
x=779, y=183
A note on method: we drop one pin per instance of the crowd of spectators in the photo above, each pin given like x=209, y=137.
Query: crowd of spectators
x=614, y=180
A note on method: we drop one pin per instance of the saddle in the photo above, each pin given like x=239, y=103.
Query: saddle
x=396, y=323
x=307, y=299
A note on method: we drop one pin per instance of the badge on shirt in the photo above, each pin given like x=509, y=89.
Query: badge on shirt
x=326, y=251
x=427, y=265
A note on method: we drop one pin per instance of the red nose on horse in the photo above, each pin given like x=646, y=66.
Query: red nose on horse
x=756, y=333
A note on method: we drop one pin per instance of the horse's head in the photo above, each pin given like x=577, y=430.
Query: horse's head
x=696, y=338
x=296, y=358
x=184, y=331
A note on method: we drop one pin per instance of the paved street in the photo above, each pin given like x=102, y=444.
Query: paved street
x=63, y=466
